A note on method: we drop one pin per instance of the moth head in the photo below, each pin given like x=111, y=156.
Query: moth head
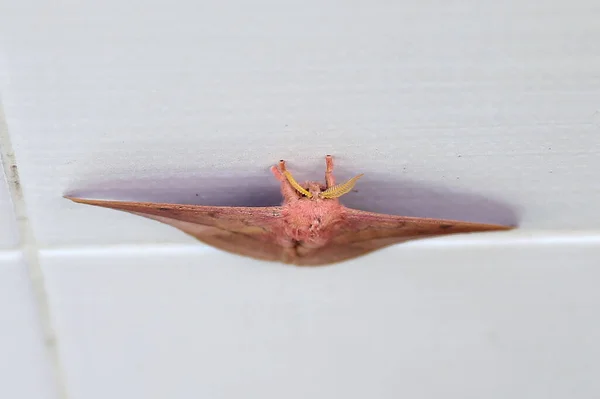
x=313, y=190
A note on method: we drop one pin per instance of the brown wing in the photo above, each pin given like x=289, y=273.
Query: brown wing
x=364, y=232
x=249, y=231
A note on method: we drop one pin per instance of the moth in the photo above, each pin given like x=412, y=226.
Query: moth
x=310, y=228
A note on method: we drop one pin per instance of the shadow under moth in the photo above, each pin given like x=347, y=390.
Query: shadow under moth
x=310, y=228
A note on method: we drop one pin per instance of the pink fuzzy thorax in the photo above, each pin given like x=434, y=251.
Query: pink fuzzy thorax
x=312, y=221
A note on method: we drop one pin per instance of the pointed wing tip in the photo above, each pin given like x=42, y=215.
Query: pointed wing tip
x=497, y=227
x=77, y=199
x=74, y=199
x=505, y=227
x=87, y=201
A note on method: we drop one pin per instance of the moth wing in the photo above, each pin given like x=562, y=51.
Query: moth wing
x=363, y=232
x=249, y=231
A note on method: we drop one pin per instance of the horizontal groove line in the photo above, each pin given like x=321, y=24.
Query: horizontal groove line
x=445, y=242
x=11, y=255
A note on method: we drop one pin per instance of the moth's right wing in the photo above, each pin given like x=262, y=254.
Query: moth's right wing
x=363, y=232
x=249, y=231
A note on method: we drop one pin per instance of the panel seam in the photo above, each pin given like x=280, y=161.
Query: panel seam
x=30, y=252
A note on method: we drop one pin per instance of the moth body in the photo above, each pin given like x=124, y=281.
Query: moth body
x=310, y=228
x=311, y=222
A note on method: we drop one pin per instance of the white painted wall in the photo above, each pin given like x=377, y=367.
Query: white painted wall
x=484, y=111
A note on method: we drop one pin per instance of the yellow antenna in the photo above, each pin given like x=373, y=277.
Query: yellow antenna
x=340, y=189
x=295, y=184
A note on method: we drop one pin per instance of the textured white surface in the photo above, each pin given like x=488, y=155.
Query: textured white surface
x=9, y=236
x=485, y=111
x=25, y=370
x=185, y=323
x=446, y=107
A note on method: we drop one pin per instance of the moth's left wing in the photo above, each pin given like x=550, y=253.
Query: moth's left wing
x=363, y=232
x=249, y=231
